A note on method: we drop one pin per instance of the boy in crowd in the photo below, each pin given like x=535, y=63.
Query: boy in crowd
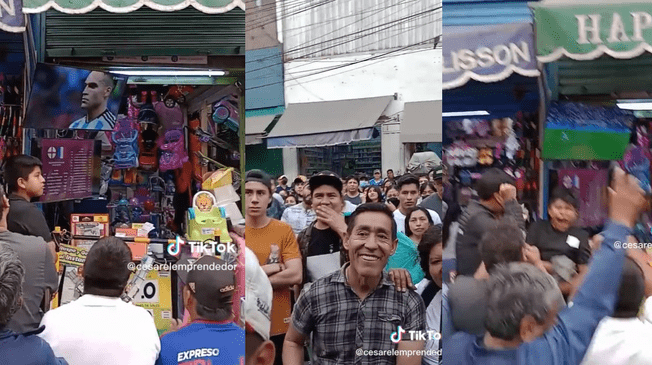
x=25, y=182
x=277, y=251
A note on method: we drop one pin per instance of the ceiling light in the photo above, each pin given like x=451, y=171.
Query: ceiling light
x=465, y=114
x=146, y=72
x=635, y=105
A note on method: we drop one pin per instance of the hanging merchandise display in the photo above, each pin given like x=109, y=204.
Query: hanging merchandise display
x=173, y=151
x=474, y=145
x=125, y=138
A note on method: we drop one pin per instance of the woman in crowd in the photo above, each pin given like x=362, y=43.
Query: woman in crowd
x=374, y=195
x=290, y=200
x=427, y=189
x=430, y=288
x=417, y=221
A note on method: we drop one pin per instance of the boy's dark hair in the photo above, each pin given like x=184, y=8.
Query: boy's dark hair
x=106, y=269
x=17, y=167
x=388, y=170
x=431, y=238
x=371, y=207
x=490, y=182
x=565, y=195
x=408, y=231
x=632, y=290
x=352, y=177
x=407, y=180
x=502, y=244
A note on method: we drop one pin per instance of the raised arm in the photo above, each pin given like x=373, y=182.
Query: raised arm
x=596, y=298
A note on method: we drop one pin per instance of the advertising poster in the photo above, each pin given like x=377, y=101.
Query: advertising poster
x=68, y=169
x=155, y=295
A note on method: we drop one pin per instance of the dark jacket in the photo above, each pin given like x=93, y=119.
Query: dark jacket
x=474, y=223
x=26, y=349
x=303, y=239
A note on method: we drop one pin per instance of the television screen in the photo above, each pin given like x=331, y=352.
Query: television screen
x=73, y=98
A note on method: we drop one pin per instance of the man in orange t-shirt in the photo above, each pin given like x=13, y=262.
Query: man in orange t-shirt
x=277, y=250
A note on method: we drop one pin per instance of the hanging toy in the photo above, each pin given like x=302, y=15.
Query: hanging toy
x=173, y=151
x=148, y=148
x=125, y=139
x=226, y=113
x=485, y=156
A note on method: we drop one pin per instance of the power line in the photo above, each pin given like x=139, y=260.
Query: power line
x=388, y=27
x=292, y=11
x=351, y=63
x=354, y=49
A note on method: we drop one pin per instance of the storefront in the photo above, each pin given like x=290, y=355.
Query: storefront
x=161, y=166
x=597, y=64
x=490, y=102
x=343, y=135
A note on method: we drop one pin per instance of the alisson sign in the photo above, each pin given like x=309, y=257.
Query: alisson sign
x=585, y=32
x=487, y=53
x=11, y=16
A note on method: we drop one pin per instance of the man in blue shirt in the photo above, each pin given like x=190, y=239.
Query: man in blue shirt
x=15, y=348
x=211, y=338
x=522, y=325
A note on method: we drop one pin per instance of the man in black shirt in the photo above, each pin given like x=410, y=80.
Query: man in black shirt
x=497, y=201
x=321, y=242
x=560, y=237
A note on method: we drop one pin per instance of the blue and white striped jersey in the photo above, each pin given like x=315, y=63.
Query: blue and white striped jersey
x=105, y=121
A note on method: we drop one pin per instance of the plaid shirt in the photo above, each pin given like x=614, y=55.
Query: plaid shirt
x=341, y=323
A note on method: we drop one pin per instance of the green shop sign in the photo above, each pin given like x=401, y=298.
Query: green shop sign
x=586, y=31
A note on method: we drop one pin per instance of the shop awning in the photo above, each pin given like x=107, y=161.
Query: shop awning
x=487, y=53
x=587, y=30
x=255, y=128
x=327, y=123
x=421, y=122
x=12, y=19
x=126, y=6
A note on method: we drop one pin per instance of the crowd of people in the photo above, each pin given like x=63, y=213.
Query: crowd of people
x=545, y=292
x=99, y=328
x=354, y=261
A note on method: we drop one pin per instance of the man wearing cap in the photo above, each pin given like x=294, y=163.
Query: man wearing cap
x=211, y=337
x=378, y=179
x=321, y=242
x=99, y=328
x=357, y=308
x=434, y=201
x=256, y=309
x=277, y=251
x=282, y=184
x=300, y=216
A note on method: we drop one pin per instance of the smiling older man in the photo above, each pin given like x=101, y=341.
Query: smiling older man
x=352, y=313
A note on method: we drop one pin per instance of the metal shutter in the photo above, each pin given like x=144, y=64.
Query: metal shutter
x=144, y=32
